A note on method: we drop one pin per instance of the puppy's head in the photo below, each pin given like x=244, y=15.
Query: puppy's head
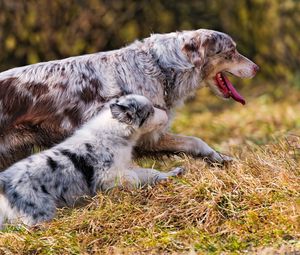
x=139, y=113
x=215, y=54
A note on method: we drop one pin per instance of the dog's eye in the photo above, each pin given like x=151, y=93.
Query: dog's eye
x=229, y=55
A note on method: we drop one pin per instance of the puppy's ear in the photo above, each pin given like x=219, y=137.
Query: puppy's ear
x=192, y=48
x=122, y=113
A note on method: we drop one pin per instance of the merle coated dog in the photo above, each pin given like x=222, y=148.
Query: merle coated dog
x=96, y=157
x=41, y=104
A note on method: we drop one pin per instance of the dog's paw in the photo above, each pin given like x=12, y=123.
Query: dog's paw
x=219, y=158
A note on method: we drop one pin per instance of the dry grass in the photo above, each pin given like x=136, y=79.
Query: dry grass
x=252, y=205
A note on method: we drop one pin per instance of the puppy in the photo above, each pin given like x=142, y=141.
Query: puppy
x=95, y=158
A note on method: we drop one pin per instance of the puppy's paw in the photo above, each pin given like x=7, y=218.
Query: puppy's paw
x=164, y=178
x=226, y=159
x=177, y=171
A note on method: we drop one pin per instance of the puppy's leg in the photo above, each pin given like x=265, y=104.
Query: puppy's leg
x=125, y=178
x=138, y=177
x=148, y=176
x=172, y=143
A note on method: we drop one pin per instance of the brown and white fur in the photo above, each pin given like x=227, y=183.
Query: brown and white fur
x=41, y=104
x=97, y=157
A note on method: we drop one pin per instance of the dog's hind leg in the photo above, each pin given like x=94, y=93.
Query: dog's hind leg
x=14, y=147
x=18, y=142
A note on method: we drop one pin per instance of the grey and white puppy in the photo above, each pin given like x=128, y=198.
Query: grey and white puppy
x=96, y=158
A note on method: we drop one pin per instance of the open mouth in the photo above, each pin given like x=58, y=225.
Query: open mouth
x=227, y=89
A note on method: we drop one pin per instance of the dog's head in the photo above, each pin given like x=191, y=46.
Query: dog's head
x=139, y=113
x=215, y=54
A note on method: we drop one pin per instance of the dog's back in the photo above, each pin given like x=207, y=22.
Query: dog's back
x=44, y=103
x=39, y=106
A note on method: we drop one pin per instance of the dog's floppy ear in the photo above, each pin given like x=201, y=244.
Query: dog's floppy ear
x=192, y=48
x=211, y=44
x=122, y=113
x=198, y=48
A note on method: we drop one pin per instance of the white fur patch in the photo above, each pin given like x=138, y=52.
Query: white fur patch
x=9, y=214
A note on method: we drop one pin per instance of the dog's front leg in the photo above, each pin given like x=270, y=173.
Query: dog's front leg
x=172, y=143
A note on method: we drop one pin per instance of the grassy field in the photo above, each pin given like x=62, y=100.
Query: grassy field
x=253, y=205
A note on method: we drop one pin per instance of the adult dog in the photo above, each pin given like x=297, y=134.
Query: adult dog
x=41, y=104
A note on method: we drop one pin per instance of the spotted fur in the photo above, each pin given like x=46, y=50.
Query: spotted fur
x=96, y=157
x=41, y=104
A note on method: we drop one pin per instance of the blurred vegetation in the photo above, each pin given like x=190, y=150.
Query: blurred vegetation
x=252, y=205
x=267, y=31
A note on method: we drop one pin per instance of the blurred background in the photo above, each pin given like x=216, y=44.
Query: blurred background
x=267, y=31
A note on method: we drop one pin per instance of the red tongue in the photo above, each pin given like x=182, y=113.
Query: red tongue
x=233, y=93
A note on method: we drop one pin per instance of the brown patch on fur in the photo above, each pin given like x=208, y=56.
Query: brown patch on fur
x=40, y=125
x=170, y=142
x=88, y=94
x=37, y=89
x=17, y=147
x=14, y=103
x=74, y=115
x=210, y=42
x=29, y=124
x=192, y=50
x=20, y=140
x=96, y=84
x=42, y=110
x=92, y=92
x=167, y=143
x=191, y=46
